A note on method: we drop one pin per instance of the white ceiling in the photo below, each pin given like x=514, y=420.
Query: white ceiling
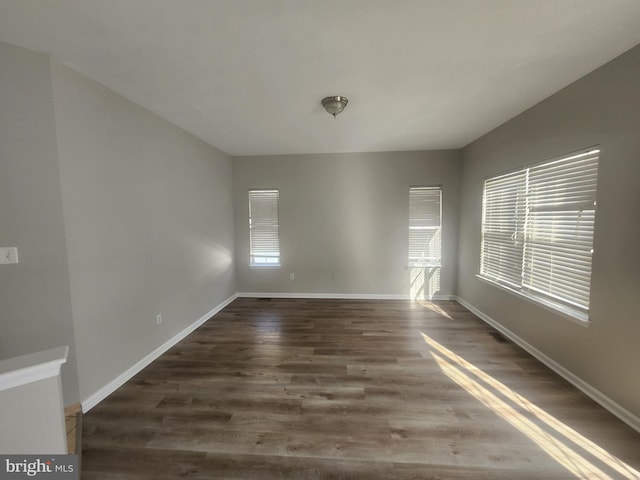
x=247, y=76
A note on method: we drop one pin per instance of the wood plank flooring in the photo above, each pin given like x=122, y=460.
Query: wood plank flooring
x=341, y=389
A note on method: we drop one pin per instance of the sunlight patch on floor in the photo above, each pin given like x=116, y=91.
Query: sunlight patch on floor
x=579, y=455
x=434, y=308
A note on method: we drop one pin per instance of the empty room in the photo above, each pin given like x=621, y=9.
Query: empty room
x=320, y=239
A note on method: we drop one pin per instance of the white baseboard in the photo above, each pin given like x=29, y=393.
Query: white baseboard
x=95, y=398
x=618, y=410
x=339, y=296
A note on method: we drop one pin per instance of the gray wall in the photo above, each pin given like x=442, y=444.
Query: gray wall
x=35, y=301
x=601, y=108
x=149, y=226
x=33, y=419
x=344, y=220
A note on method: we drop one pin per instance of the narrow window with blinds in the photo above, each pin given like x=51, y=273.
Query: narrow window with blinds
x=264, y=242
x=425, y=226
x=537, y=231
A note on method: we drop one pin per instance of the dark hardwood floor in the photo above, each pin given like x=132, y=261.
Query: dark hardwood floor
x=340, y=389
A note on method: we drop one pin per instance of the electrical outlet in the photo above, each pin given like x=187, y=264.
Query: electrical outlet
x=292, y=276
x=8, y=255
x=158, y=319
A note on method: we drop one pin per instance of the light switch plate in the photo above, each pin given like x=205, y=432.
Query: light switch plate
x=8, y=255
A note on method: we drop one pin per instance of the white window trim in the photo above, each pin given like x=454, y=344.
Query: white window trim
x=576, y=315
x=427, y=265
x=265, y=266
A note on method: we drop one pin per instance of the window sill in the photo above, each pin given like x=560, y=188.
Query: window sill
x=575, y=316
x=265, y=267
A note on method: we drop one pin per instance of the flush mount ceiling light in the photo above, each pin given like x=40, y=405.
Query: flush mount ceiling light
x=334, y=105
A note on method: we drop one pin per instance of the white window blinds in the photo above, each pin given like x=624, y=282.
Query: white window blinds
x=425, y=227
x=537, y=230
x=503, y=228
x=264, y=243
x=560, y=218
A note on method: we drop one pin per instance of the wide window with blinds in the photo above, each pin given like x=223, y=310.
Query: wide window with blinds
x=537, y=231
x=264, y=242
x=425, y=226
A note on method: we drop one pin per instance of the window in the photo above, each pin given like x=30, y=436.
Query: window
x=425, y=229
x=537, y=231
x=264, y=244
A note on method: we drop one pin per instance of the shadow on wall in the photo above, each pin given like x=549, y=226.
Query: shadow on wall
x=424, y=282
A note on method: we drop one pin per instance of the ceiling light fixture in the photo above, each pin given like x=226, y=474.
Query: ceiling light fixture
x=334, y=105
